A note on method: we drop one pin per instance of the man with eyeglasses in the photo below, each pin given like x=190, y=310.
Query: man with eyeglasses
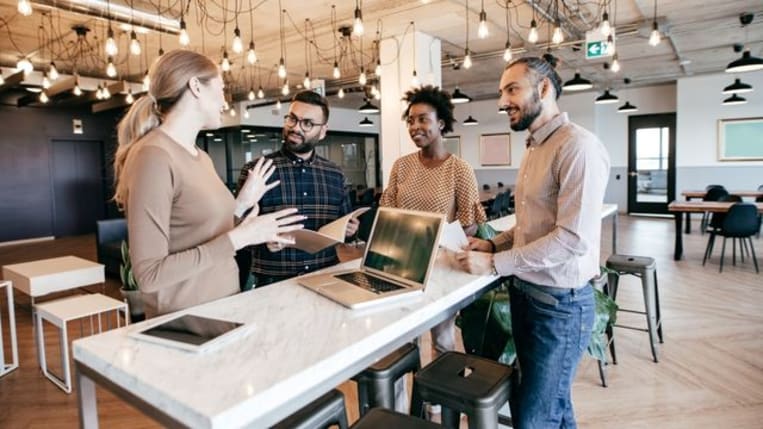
x=313, y=184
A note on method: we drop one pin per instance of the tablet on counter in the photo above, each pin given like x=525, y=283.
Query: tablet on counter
x=190, y=332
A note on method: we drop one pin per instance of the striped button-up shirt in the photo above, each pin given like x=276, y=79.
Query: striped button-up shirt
x=559, y=195
x=316, y=187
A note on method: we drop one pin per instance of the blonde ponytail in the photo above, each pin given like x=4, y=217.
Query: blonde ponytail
x=169, y=77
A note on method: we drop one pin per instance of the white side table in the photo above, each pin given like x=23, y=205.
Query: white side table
x=59, y=313
x=5, y=368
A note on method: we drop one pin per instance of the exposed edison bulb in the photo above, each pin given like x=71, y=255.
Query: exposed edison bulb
x=111, y=69
x=654, y=37
x=45, y=81
x=134, y=44
x=468, y=60
x=246, y=113
x=232, y=111
x=482, y=30
x=362, y=79
x=378, y=69
x=285, y=88
x=340, y=94
x=281, y=69
x=306, y=83
x=226, y=62
x=357, y=25
x=611, y=48
x=533, y=36
x=99, y=93
x=251, y=94
x=53, y=71
x=251, y=56
x=77, y=90
x=507, y=55
x=605, y=28
x=146, y=82
x=25, y=65
x=260, y=93
x=415, y=79
x=238, y=46
x=111, y=44
x=558, y=36
x=185, y=40
x=129, y=99
x=44, y=97
x=106, y=92
x=337, y=72
x=25, y=7
x=615, y=67
x=278, y=104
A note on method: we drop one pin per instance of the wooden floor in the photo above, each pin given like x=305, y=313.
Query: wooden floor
x=710, y=372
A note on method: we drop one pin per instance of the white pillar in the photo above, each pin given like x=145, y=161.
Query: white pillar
x=398, y=62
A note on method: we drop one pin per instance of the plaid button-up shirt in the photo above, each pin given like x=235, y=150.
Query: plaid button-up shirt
x=316, y=187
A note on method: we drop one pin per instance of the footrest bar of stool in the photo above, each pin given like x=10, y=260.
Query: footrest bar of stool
x=631, y=328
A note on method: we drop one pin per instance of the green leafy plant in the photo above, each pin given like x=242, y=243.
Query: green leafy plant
x=125, y=269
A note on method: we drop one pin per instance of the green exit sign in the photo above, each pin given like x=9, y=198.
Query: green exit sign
x=597, y=46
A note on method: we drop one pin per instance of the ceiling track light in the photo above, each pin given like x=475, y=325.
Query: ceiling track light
x=738, y=87
x=734, y=100
x=577, y=83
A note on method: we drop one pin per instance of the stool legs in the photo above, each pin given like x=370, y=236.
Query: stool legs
x=647, y=283
x=483, y=418
x=451, y=419
x=657, y=301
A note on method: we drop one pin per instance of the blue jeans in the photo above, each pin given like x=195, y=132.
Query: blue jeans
x=551, y=328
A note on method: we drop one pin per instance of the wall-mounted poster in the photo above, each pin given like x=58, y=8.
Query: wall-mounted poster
x=740, y=139
x=453, y=145
x=495, y=149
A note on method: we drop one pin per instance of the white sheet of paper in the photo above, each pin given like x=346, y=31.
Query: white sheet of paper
x=453, y=237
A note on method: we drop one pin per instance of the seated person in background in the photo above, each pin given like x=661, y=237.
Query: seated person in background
x=180, y=215
x=309, y=182
x=432, y=179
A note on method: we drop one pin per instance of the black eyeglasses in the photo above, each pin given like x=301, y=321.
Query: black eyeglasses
x=306, y=125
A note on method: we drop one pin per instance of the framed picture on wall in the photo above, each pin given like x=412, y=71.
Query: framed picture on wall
x=453, y=144
x=740, y=139
x=495, y=149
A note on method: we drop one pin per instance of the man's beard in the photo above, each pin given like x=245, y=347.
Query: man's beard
x=529, y=113
x=305, y=146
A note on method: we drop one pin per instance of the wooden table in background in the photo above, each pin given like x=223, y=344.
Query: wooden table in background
x=699, y=194
x=678, y=208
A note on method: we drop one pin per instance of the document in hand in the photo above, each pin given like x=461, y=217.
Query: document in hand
x=453, y=237
x=328, y=235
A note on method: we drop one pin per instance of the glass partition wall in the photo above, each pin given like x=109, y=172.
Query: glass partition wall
x=230, y=148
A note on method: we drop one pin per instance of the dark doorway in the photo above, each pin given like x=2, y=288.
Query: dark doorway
x=78, y=177
x=651, y=163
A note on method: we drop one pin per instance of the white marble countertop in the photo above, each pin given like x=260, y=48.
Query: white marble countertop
x=301, y=345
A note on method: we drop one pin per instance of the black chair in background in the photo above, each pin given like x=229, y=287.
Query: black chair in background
x=352, y=194
x=708, y=187
x=740, y=222
x=714, y=193
x=485, y=187
x=366, y=199
x=505, y=207
x=493, y=210
x=716, y=223
x=500, y=184
x=760, y=217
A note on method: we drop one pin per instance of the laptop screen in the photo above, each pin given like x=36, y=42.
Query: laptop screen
x=402, y=244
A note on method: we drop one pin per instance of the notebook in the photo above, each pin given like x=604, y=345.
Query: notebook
x=396, y=264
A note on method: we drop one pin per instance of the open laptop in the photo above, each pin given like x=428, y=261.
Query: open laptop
x=396, y=264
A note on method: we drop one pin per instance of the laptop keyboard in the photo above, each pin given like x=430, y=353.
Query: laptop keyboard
x=365, y=281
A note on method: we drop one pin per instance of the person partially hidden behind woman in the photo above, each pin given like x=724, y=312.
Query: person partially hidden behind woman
x=180, y=215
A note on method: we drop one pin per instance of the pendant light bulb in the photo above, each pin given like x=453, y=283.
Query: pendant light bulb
x=533, y=36
x=337, y=72
x=45, y=82
x=605, y=29
x=53, y=71
x=482, y=30
x=378, y=69
x=251, y=94
x=654, y=37
x=415, y=79
x=185, y=40
x=44, y=97
x=246, y=113
x=507, y=55
x=260, y=93
x=146, y=82
x=226, y=62
x=362, y=79
x=615, y=67
x=232, y=111
x=281, y=69
x=111, y=45
x=467, y=60
x=278, y=104
x=25, y=65
x=77, y=90
x=106, y=92
x=129, y=99
x=238, y=46
x=251, y=56
x=285, y=88
x=357, y=25
x=340, y=94
x=558, y=36
x=134, y=44
x=306, y=83
x=111, y=69
x=25, y=7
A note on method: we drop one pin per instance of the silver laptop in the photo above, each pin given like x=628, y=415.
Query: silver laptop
x=396, y=264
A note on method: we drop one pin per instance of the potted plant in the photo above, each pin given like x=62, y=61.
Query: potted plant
x=129, y=289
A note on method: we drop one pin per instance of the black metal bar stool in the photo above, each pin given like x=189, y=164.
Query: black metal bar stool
x=376, y=384
x=378, y=418
x=323, y=412
x=645, y=268
x=462, y=383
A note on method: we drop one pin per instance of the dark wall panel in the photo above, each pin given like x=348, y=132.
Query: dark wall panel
x=26, y=160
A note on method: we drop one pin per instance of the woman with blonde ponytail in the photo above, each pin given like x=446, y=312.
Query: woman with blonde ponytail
x=180, y=215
